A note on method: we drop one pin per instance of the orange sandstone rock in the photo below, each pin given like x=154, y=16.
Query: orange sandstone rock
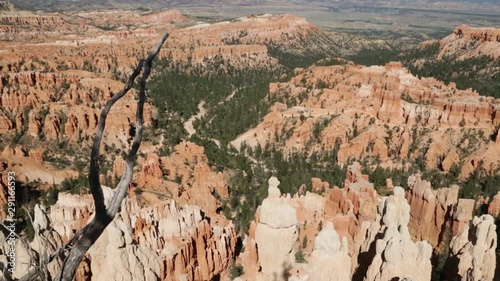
x=429, y=209
x=380, y=112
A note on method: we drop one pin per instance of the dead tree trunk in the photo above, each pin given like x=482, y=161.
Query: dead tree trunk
x=81, y=242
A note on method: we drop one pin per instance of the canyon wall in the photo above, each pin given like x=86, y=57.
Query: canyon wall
x=467, y=41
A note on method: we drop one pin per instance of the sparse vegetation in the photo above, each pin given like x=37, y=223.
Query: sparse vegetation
x=299, y=256
x=236, y=271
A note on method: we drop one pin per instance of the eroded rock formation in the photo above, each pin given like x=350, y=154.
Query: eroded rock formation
x=185, y=175
x=158, y=241
x=396, y=255
x=28, y=166
x=330, y=259
x=494, y=206
x=379, y=112
x=467, y=41
x=472, y=252
x=276, y=233
x=368, y=237
x=431, y=209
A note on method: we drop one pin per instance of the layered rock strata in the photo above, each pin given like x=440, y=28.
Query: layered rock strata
x=431, y=210
x=467, y=42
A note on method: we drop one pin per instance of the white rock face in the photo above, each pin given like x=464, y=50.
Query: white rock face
x=68, y=212
x=276, y=233
x=477, y=258
x=117, y=258
x=330, y=260
x=48, y=241
x=41, y=221
x=275, y=211
x=396, y=254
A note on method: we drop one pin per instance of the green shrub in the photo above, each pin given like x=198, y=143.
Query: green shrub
x=236, y=271
x=299, y=256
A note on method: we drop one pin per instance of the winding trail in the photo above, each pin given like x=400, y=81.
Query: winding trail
x=188, y=125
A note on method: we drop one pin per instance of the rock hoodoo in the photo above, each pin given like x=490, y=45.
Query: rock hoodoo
x=396, y=255
x=472, y=252
x=160, y=241
x=429, y=209
x=276, y=233
x=330, y=260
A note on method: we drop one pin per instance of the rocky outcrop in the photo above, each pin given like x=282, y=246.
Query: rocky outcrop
x=5, y=123
x=462, y=215
x=275, y=233
x=472, y=252
x=29, y=166
x=36, y=154
x=395, y=254
x=75, y=70
x=64, y=105
x=70, y=213
x=196, y=182
x=467, y=41
x=297, y=218
x=379, y=112
x=151, y=173
x=185, y=175
x=319, y=186
x=246, y=38
x=431, y=210
x=159, y=241
x=363, y=236
x=481, y=34
x=330, y=259
x=352, y=205
x=46, y=241
x=22, y=258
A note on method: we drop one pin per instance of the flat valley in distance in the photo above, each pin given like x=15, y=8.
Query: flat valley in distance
x=411, y=24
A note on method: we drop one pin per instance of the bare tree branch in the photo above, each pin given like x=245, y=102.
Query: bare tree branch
x=40, y=264
x=121, y=190
x=81, y=242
